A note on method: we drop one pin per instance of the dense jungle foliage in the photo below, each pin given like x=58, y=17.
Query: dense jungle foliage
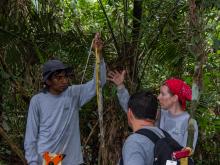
x=151, y=39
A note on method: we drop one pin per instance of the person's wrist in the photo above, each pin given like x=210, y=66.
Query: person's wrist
x=120, y=86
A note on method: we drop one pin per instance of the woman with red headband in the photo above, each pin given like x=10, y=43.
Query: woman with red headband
x=172, y=98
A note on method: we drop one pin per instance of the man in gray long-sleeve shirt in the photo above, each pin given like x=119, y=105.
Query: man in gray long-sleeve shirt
x=141, y=113
x=53, y=116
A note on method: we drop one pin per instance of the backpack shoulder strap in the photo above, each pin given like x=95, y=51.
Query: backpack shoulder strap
x=149, y=134
x=171, y=141
x=165, y=133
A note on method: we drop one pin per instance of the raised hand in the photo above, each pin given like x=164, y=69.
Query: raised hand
x=117, y=77
x=97, y=43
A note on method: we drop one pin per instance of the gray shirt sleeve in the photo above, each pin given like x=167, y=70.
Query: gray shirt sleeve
x=138, y=149
x=133, y=154
x=31, y=136
x=123, y=97
x=88, y=90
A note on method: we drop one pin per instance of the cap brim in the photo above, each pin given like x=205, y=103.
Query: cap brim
x=67, y=69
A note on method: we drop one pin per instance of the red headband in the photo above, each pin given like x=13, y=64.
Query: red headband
x=181, y=89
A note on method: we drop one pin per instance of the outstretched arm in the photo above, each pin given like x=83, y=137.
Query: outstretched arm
x=88, y=90
x=118, y=79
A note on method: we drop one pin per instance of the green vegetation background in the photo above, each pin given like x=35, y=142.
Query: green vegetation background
x=151, y=39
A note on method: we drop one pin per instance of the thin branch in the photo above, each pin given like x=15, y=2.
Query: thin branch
x=92, y=131
x=13, y=146
x=110, y=28
x=125, y=19
x=15, y=35
x=90, y=134
x=16, y=84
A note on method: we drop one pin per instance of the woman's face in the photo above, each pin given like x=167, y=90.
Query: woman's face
x=165, y=98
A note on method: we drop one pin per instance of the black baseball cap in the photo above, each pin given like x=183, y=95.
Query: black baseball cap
x=52, y=66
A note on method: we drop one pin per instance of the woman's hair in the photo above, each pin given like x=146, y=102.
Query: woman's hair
x=181, y=89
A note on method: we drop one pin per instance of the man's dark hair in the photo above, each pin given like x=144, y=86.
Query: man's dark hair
x=55, y=73
x=143, y=105
x=46, y=87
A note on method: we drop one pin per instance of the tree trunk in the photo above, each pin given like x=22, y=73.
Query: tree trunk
x=197, y=47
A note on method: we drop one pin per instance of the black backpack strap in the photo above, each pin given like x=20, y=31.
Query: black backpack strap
x=149, y=134
x=165, y=133
x=172, y=142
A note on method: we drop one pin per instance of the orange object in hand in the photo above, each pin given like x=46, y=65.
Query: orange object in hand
x=51, y=159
